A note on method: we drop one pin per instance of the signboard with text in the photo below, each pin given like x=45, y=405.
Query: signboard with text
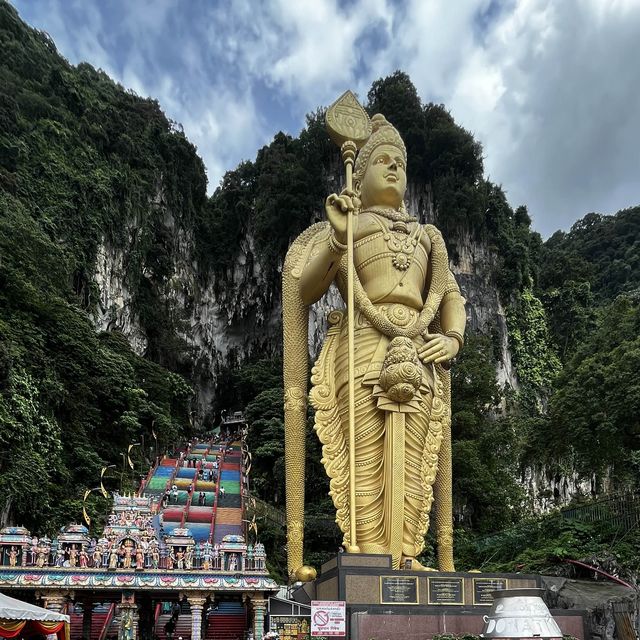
x=328, y=618
x=446, y=590
x=290, y=627
x=484, y=587
x=398, y=590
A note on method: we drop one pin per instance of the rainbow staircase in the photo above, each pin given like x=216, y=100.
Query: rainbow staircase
x=228, y=518
x=209, y=515
x=193, y=504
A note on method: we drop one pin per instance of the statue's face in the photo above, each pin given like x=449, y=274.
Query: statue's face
x=385, y=178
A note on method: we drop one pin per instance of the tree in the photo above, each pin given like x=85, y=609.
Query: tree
x=595, y=410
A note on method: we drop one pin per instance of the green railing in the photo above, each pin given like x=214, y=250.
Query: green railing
x=621, y=510
x=261, y=509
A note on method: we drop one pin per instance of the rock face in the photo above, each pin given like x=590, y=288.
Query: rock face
x=605, y=603
x=474, y=264
x=225, y=321
x=114, y=309
x=548, y=489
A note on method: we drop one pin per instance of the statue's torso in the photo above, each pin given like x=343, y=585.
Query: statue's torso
x=391, y=265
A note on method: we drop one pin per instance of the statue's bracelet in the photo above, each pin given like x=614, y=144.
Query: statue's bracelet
x=457, y=335
x=335, y=246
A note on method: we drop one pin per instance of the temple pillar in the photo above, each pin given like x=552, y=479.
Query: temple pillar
x=87, y=609
x=259, y=609
x=127, y=611
x=145, y=616
x=196, y=602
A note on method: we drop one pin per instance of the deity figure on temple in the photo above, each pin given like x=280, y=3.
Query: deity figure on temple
x=139, y=559
x=60, y=556
x=127, y=554
x=84, y=559
x=73, y=557
x=96, y=556
x=41, y=556
x=206, y=557
x=188, y=558
x=113, y=557
x=13, y=557
x=386, y=447
x=33, y=550
x=155, y=557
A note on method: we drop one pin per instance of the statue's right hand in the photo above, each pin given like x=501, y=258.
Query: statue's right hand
x=337, y=207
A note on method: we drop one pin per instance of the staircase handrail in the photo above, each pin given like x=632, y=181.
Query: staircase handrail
x=173, y=475
x=263, y=508
x=107, y=621
x=143, y=485
x=187, y=506
x=620, y=506
x=190, y=495
x=214, y=515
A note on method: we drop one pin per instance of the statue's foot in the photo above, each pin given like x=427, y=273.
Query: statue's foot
x=411, y=564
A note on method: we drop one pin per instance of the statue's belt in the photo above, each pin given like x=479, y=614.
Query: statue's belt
x=401, y=315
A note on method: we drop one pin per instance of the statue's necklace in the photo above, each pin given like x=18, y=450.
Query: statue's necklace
x=401, y=243
x=391, y=214
x=437, y=289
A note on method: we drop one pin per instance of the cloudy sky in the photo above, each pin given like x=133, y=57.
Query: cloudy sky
x=550, y=87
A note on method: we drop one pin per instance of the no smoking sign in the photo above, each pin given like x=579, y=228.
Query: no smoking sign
x=328, y=618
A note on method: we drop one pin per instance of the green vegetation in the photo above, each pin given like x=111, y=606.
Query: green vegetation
x=542, y=545
x=83, y=163
x=603, y=251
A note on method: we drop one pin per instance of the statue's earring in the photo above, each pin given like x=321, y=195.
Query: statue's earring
x=357, y=188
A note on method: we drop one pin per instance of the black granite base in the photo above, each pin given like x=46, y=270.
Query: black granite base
x=426, y=602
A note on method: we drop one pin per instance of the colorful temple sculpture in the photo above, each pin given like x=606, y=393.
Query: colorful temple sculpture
x=173, y=560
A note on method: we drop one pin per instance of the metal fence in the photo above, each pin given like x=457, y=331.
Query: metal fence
x=262, y=509
x=621, y=510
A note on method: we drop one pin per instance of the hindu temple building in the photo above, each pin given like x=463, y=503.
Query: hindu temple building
x=173, y=561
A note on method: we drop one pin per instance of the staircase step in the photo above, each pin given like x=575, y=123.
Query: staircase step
x=226, y=626
x=222, y=530
x=230, y=501
x=228, y=516
x=76, y=625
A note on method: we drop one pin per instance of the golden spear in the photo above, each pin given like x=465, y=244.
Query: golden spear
x=349, y=127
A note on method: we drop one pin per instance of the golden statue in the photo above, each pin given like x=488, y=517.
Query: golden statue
x=381, y=385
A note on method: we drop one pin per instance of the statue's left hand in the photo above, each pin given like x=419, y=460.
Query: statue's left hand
x=438, y=348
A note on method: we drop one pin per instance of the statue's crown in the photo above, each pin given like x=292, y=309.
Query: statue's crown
x=383, y=132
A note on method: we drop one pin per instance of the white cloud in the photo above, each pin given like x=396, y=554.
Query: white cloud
x=563, y=135
x=550, y=88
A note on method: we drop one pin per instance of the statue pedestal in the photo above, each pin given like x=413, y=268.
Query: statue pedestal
x=396, y=605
